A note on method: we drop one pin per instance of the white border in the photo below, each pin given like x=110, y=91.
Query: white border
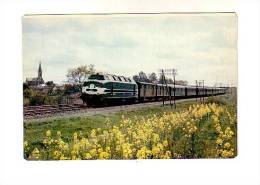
x=244, y=169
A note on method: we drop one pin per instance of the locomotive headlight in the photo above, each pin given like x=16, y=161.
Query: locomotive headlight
x=91, y=86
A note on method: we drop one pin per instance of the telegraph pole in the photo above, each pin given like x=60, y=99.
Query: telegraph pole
x=197, y=90
x=162, y=76
x=164, y=81
x=174, y=73
x=203, y=87
x=200, y=84
x=171, y=72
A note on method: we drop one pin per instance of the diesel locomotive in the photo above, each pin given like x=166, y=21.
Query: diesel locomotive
x=102, y=89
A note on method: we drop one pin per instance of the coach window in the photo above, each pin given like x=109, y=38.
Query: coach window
x=114, y=78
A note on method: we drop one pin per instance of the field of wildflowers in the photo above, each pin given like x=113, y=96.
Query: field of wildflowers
x=200, y=131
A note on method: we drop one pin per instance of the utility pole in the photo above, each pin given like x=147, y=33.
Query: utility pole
x=199, y=85
x=162, y=77
x=164, y=81
x=174, y=73
x=169, y=72
x=196, y=90
x=203, y=91
x=201, y=95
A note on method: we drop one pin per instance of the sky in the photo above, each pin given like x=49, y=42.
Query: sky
x=199, y=46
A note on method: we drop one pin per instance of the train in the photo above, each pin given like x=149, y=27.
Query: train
x=104, y=89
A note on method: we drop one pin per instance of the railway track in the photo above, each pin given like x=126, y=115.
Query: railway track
x=41, y=111
x=48, y=110
x=67, y=110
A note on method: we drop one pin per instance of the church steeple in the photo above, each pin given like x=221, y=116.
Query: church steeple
x=40, y=71
x=36, y=81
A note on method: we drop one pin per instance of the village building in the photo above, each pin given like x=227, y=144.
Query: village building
x=37, y=80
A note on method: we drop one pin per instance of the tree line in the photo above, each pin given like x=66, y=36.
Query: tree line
x=152, y=78
x=53, y=94
x=80, y=74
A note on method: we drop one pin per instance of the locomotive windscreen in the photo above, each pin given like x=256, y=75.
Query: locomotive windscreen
x=96, y=77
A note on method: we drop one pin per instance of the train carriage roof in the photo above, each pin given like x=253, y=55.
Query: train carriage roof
x=111, y=77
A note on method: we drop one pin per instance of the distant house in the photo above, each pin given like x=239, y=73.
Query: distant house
x=37, y=80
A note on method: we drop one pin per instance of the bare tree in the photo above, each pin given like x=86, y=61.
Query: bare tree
x=153, y=77
x=79, y=74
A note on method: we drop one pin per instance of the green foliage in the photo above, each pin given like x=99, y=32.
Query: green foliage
x=38, y=100
x=71, y=88
x=27, y=93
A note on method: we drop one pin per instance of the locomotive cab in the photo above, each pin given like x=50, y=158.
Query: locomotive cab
x=94, y=85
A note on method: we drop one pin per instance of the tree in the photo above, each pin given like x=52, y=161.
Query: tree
x=170, y=81
x=181, y=82
x=153, y=77
x=27, y=91
x=166, y=80
x=79, y=74
x=50, y=83
x=25, y=86
x=70, y=89
x=142, y=75
x=136, y=78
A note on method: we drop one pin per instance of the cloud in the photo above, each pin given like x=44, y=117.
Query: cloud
x=199, y=46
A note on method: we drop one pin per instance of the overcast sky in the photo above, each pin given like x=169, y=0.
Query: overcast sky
x=199, y=46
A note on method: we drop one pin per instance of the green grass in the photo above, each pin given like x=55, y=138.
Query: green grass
x=34, y=132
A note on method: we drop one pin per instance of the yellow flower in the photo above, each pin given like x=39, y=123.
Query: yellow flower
x=75, y=136
x=167, y=155
x=155, y=138
x=104, y=155
x=127, y=151
x=227, y=145
x=218, y=129
x=35, y=153
x=62, y=157
x=143, y=153
x=155, y=152
x=227, y=154
x=48, y=133
x=219, y=141
x=107, y=149
x=93, y=133
x=73, y=152
x=59, y=134
x=100, y=150
x=165, y=143
x=93, y=152
x=88, y=156
x=25, y=144
x=56, y=154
